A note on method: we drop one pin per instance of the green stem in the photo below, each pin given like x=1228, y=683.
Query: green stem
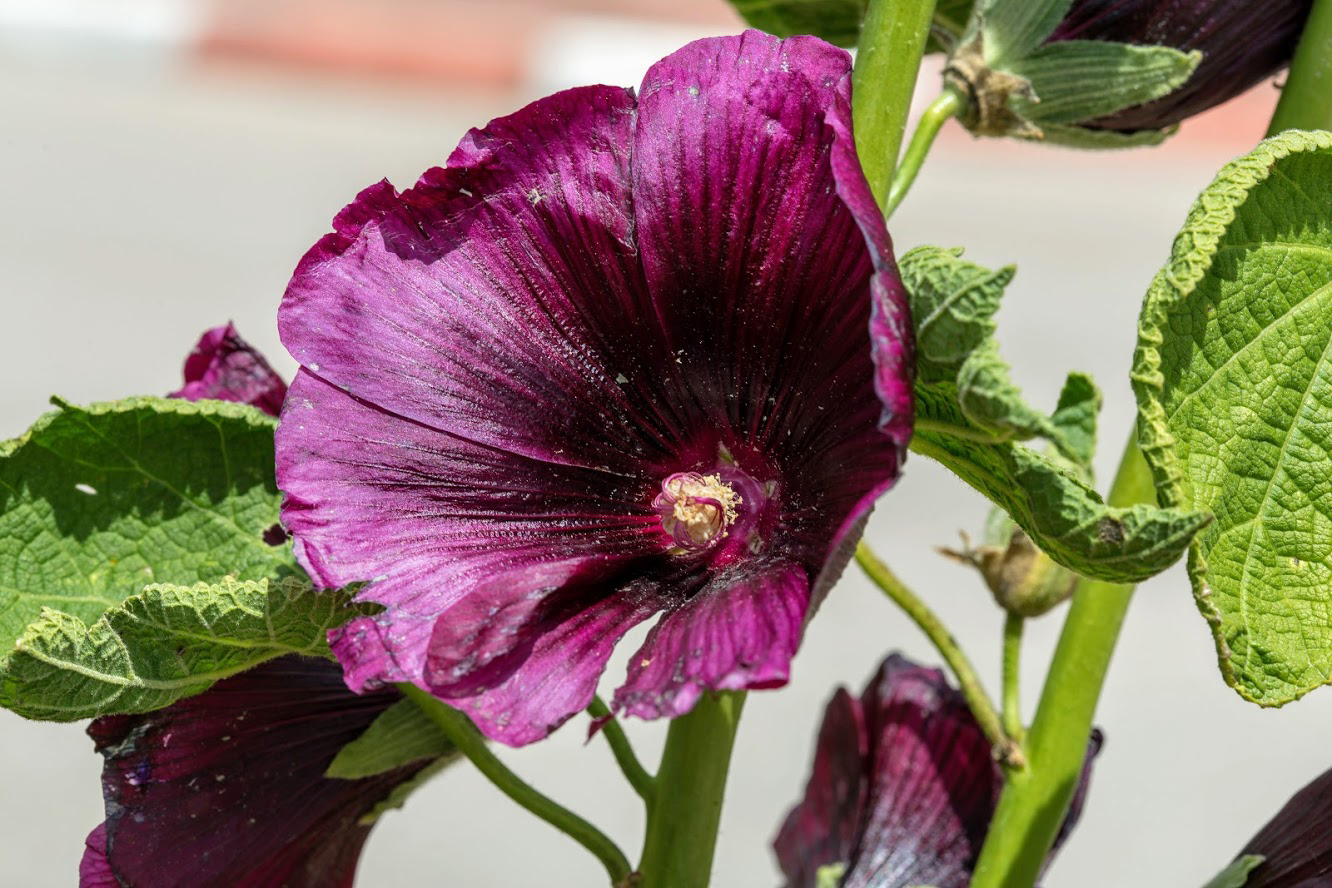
x=683, y=819
x=464, y=735
x=1306, y=100
x=946, y=106
x=643, y=783
x=892, y=41
x=968, y=681
x=1013, y=624
x=1034, y=801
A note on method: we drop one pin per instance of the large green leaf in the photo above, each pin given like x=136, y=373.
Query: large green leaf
x=98, y=502
x=166, y=643
x=1234, y=383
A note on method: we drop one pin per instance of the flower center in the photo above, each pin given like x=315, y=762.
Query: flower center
x=695, y=509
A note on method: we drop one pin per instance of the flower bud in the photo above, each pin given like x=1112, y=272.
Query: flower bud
x=1022, y=578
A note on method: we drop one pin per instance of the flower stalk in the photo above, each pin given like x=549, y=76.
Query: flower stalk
x=464, y=735
x=684, y=816
x=1304, y=101
x=939, y=112
x=892, y=42
x=1006, y=750
x=643, y=783
x=1012, y=709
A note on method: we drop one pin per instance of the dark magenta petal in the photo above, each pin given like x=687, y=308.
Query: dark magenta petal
x=228, y=787
x=503, y=365
x=1297, y=842
x=824, y=828
x=739, y=631
x=928, y=786
x=1242, y=42
x=225, y=367
x=94, y=868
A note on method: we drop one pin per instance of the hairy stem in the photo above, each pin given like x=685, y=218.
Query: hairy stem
x=1306, y=100
x=464, y=735
x=946, y=106
x=1012, y=709
x=892, y=42
x=643, y=783
x=968, y=681
x=683, y=818
x=1034, y=801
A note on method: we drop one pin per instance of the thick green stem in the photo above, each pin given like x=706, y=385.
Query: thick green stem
x=1035, y=800
x=1013, y=625
x=968, y=681
x=935, y=116
x=464, y=735
x=1306, y=100
x=892, y=41
x=643, y=783
x=683, y=819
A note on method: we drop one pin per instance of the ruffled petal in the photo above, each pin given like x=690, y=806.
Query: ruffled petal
x=228, y=787
x=225, y=367
x=94, y=868
x=1297, y=842
x=739, y=631
x=823, y=829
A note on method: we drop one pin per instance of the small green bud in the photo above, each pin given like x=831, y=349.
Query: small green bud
x=1022, y=578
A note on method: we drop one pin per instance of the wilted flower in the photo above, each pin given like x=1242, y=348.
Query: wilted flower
x=612, y=360
x=226, y=368
x=1242, y=42
x=228, y=787
x=902, y=790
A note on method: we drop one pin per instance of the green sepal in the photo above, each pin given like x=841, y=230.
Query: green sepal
x=1049, y=500
x=1237, y=874
x=401, y=735
x=98, y=502
x=166, y=643
x=1012, y=29
x=1233, y=376
x=1077, y=80
x=1091, y=139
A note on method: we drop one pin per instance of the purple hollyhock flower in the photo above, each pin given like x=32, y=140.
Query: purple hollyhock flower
x=228, y=787
x=226, y=368
x=613, y=359
x=903, y=787
x=1242, y=42
x=1296, y=844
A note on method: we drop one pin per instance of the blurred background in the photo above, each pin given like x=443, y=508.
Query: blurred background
x=164, y=163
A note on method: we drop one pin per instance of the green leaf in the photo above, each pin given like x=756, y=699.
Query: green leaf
x=1078, y=80
x=837, y=21
x=1237, y=874
x=166, y=643
x=1065, y=517
x=830, y=875
x=1011, y=29
x=1234, y=382
x=401, y=735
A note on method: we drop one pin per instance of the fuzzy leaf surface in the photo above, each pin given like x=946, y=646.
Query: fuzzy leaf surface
x=1234, y=383
x=1083, y=79
x=166, y=643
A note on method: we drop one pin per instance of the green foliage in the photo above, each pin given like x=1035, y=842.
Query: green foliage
x=1083, y=79
x=838, y=21
x=975, y=425
x=166, y=643
x=1237, y=874
x=1234, y=382
x=1011, y=29
x=403, y=734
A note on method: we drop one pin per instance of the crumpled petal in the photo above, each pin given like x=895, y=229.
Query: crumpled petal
x=926, y=784
x=1297, y=842
x=225, y=367
x=501, y=366
x=227, y=788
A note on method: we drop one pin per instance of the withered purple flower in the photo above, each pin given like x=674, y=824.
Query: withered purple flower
x=902, y=789
x=225, y=367
x=1242, y=42
x=612, y=360
x=228, y=787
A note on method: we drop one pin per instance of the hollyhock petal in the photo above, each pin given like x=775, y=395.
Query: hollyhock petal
x=824, y=828
x=740, y=631
x=228, y=787
x=1297, y=842
x=94, y=868
x=224, y=367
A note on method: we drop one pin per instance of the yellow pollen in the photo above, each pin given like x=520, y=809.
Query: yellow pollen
x=704, y=507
